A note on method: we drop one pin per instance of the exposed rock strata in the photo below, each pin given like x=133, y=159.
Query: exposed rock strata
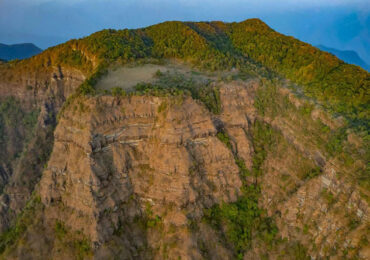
x=117, y=162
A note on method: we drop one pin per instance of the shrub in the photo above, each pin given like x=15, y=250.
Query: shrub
x=328, y=196
x=73, y=240
x=312, y=173
x=162, y=107
x=224, y=137
x=242, y=221
x=158, y=74
x=244, y=172
x=335, y=143
x=118, y=92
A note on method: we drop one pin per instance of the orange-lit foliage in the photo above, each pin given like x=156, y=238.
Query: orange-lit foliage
x=250, y=46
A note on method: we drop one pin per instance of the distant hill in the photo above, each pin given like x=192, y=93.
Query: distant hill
x=18, y=51
x=350, y=57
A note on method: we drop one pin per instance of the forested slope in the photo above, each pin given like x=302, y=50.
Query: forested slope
x=249, y=45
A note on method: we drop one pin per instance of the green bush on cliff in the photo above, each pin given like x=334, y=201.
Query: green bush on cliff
x=335, y=143
x=242, y=221
x=118, y=92
x=73, y=241
x=224, y=137
x=149, y=220
x=263, y=139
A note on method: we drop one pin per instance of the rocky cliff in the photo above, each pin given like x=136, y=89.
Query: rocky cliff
x=29, y=105
x=237, y=163
x=130, y=177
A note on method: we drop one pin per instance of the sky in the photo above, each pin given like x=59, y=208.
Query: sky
x=341, y=24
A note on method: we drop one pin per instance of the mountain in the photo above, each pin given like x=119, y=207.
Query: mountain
x=350, y=57
x=18, y=51
x=184, y=140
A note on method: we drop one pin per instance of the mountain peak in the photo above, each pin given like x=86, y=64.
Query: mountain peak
x=255, y=23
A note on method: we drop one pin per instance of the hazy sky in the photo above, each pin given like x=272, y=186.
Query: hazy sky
x=342, y=24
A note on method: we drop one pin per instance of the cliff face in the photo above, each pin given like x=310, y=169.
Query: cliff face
x=129, y=177
x=234, y=163
x=29, y=105
x=36, y=89
x=160, y=154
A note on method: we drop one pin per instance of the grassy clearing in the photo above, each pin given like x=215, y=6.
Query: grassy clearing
x=126, y=77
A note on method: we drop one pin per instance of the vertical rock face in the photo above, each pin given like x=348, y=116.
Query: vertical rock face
x=160, y=153
x=38, y=89
x=238, y=113
x=133, y=174
x=30, y=104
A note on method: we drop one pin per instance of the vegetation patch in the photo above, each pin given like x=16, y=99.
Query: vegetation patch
x=312, y=173
x=149, y=220
x=73, y=241
x=338, y=86
x=224, y=137
x=17, y=128
x=264, y=137
x=328, y=196
x=12, y=116
x=334, y=145
x=179, y=85
x=243, y=171
x=242, y=221
x=27, y=217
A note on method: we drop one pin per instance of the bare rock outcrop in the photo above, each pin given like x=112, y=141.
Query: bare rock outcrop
x=133, y=173
x=129, y=149
x=27, y=150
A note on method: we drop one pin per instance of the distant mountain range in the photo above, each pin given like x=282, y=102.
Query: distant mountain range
x=350, y=57
x=18, y=51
